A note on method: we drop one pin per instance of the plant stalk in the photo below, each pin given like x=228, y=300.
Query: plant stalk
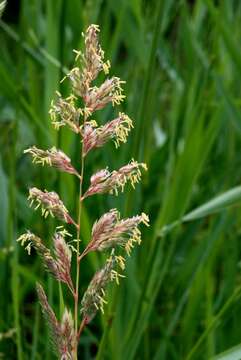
x=78, y=258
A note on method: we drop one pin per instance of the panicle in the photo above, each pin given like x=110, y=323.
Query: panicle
x=109, y=91
x=110, y=231
x=109, y=182
x=52, y=157
x=50, y=204
x=117, y=129
x=65, y=112
x=93, y=299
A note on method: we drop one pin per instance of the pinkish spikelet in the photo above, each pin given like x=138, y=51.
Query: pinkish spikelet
x=53, y=324
x=67, y=335
x=110, y=231
x=50, y=204
x=63, y=259
x=109, y=182
x=62, y=334
x=109, y=91
x=116, y=129
x=52, y=157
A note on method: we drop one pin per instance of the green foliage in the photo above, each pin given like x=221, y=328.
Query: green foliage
x=181, y=60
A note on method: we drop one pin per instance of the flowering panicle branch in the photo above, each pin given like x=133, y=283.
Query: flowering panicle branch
x=63, y=257
x=62, y=333
x=50, y=204
x=58, y=265
x=109, y=182
x=109, y=91
x=116, y=129
x=93, y=299
x=110, y=232
x=52, y=157
x=64, y=112
x=91, y=62
x=50, y=317
x=68, y=335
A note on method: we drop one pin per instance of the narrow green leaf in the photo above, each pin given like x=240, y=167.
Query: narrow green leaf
x=232, y=354
x=228, y=198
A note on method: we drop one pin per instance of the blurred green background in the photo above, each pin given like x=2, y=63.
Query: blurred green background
x=181, y=60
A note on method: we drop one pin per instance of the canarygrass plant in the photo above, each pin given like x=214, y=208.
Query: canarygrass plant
x=111, y=232
x=182, y=65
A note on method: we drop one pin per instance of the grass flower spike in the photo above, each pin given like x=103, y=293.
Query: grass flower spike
x=110, y=233
x=109, y=182
x=52, y=157
x=93, y=299
x=50, y=203
x=116, y=129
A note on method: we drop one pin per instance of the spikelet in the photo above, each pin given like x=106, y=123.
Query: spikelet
x=67, y=336
x=58, y=264
x=53, y=324
x=30, y=240
x=110, y=91
x=63, y=259
x=116, y=129
x=62, y=333
x=50, y=204
x=109, y=182
x=52, y=157
x=110, y=231
x=93, y=299
x=65, y=112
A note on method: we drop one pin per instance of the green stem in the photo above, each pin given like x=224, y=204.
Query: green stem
x=78, y=258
